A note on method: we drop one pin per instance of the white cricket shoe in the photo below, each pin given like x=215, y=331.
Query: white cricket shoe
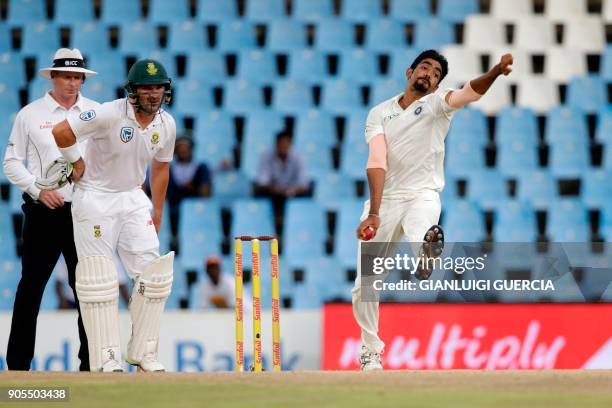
x=111, y=366
x=149, y=363
x=369, y=360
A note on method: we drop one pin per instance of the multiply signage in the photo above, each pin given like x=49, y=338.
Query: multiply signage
x=430, y=336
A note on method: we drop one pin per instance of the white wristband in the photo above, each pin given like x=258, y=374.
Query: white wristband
x=71, y=153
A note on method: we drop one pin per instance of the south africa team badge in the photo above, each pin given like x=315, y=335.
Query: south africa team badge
x=155, y=138
x=97, y=231
x=126, y=134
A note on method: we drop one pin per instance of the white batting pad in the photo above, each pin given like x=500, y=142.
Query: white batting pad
x=149, y=295
x=98, y=291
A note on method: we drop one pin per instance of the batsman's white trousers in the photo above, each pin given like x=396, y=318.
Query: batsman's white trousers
x=400, y=220
x=107, y=222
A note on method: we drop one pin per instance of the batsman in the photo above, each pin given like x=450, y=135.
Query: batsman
x=112, y=213
x=405, y=170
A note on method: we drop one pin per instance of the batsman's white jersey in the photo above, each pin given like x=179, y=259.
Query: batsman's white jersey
x=110, y=210
x=414, y=177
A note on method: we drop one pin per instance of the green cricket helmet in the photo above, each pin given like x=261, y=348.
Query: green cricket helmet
x=147, y=72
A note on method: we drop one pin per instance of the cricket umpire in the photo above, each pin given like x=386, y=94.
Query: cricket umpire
x=47, y=231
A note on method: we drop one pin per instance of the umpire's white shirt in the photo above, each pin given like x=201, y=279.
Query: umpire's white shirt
x=31, y=141
x=415, y=142
x=118, y=149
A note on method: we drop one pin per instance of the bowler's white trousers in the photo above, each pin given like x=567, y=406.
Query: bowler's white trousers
x=403, y=219
x=108, y=222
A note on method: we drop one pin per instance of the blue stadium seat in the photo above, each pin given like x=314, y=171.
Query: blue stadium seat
x=90, y=36
x=39, y=38
x=165, y=57
x=206, y=66
x=358, y=66
x=285, y=35
x=6, y=45
x=345, y=241
x=70, y=11
x=566, y=124
x=233, y=36
x=257, y=66
x=265, y=10
x=334, y=35
x=513, y=158
x=214, y=11
x=596, y=191
x=317, y=158
x=587, y=93
x=312, y=10
x=400, y=60
x=605, y=226
x=12, y=69
x=117, y=12
x=214, y=139
x=229, y=186
x=7, y=235
x=252, y=217
x=191, y=96
x=36, y=89
x=186, y=36
x=307, y=66
x=200, y=230
x=326, y=275
x=354, y=127
x=361, y=11
x=22, y=12
x=15, y=199
x=110, y=66
x=9, y=279
x=567, y=221
x=306, y=297
x=514, y=222
x=137, y=37
x=568, y=159
x=384, y=35
x=242, y=96
x=410, y=10
x=606, y=64
x=385, y=89
x=340, y=96
x=99, y=90
x=604, y=126
x=514, y=123
x=292, y=97
x=165, y=12
x=332, y=189
x=468, y=125
x=315, y=126
x=464, y=158
x=259, y=137
x=353, y=159
x=305, y=231
x=463, y=222
x=456, y=11
x=537, y=188
x=433, y=33
x=488, y=188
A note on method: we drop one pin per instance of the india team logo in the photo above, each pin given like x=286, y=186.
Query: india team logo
x=155, y=138
x=418, y=110
x=97, y=231
x=87, y=115
x=126, y=134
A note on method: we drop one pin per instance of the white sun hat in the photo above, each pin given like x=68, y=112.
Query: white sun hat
x=69, y=60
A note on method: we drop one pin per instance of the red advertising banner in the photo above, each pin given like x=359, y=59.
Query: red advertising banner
x=477, y=336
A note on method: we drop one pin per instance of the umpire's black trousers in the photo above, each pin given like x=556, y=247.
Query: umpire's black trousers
x=46, y=234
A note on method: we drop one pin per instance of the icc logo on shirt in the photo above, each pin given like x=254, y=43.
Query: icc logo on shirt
x=126, y=134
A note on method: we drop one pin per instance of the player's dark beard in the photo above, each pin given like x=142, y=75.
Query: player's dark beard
x=419, y=86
